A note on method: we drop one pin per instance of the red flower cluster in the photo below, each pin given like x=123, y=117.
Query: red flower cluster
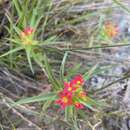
x=110, y=29
x=72, y=91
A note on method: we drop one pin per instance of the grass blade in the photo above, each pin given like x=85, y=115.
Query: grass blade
x=62, y=68
x=11, y=51
x=42, y=97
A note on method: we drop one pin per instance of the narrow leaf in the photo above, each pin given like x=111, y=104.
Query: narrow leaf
x=42, y=97
x=11, y=51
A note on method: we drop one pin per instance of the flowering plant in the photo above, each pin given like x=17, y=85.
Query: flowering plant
x=73, y=94
x=108, y=31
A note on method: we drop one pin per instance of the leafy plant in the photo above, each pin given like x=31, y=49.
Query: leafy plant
x=68, y=94
x=23, y=32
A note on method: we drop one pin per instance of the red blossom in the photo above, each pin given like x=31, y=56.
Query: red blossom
x=70, y=92
x=79, y=105
x=65, y=93
x=27, y=31
x=68, y=88
x=77, y=80
x=65, y=100
x=111, y=30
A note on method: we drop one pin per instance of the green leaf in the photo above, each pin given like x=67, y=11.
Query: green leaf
x=50, y=74
x=62, y=68
x=89, y=103
x=121, y=5
x=90, y=72
x=49, y=41
x=69, y=113
x=39, y=98
x=17, y=41
x=17, y=30
x=72, y=71
x=38, y=58
x=17, y=6
x=28, y=53
x=33, y=18
x=11, y=51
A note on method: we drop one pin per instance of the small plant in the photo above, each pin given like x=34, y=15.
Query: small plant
x=71, y=95
x=67, y=92
x=108, y=31
x=23, y=32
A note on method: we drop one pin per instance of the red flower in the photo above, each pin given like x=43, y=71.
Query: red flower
x=27, y=31
x=110, y=29
x=79, y=105
x=68, y=88
x=77, y=81
x=65, y=100
x=25, y=36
